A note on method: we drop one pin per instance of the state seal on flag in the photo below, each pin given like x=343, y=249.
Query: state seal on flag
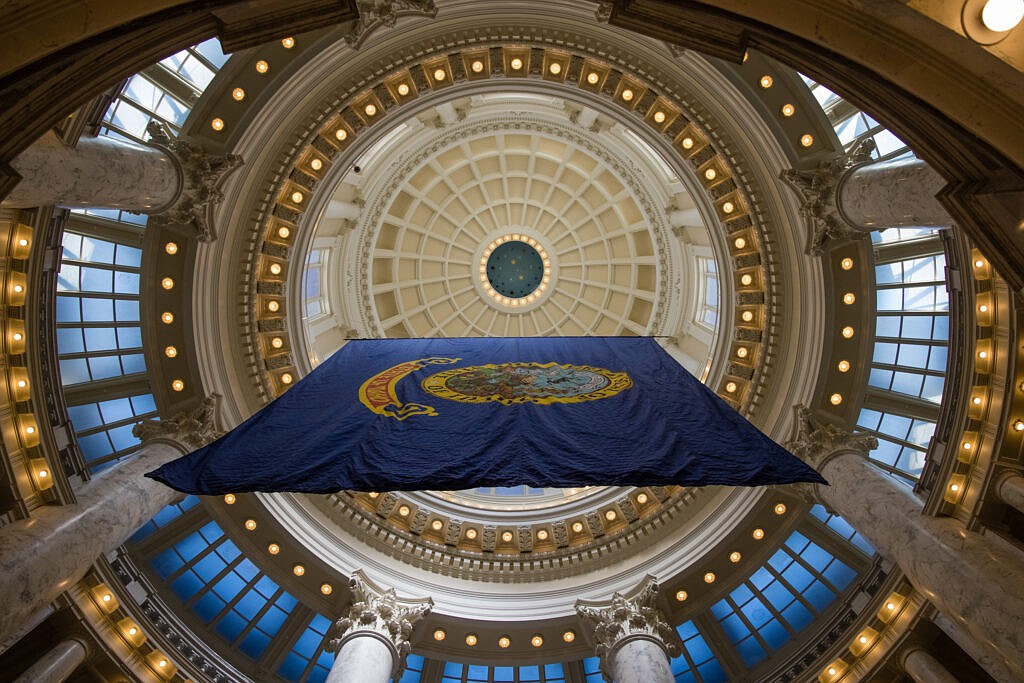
x=514, y=383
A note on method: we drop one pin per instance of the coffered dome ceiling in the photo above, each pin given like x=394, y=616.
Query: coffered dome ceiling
x=382, y=192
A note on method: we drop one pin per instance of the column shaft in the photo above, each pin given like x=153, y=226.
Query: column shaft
x=889, y=194
x=362, y=659
x=56, y=665
x=97, y=172
x=923, y=668
x=1011, y=491
x=51, y=550
x=995, y=667
x=641, y=661
x=973, y=581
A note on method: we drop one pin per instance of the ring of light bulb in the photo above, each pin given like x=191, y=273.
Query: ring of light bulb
x=498, y=299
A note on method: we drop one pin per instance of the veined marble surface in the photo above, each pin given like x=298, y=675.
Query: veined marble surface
x=973, y=581
x=641, y=660
x=98, y=172
x=44, y=555
x=890, y=194
x=363, y=659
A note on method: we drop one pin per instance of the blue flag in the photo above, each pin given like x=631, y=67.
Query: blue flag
x=450, y=414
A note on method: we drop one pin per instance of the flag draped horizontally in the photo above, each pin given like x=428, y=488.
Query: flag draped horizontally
x=449, y=414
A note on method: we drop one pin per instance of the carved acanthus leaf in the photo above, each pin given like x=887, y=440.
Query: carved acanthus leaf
x=816, y=441
x=202, y=176
x=817, y=188
x=376, y=13
x=192, y=428
x=638, y=615
x=381, y=613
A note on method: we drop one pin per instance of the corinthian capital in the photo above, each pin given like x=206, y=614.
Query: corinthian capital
x=817, y=188
x=385, y=13
x=190, y=429
x=816, y=442
x=381, y=614
x=612, y=624
x=202, y=174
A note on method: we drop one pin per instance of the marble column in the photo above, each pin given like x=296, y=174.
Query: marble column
x=631, y=636
x=923, y=668
x=373, y=638
x=849, y=196
x=890, y=194
x=57, y=664
x=97, y=172
x=50, y=551
x=994, y=666
x=173, y=179
x=970, y=579
x=1010, y=490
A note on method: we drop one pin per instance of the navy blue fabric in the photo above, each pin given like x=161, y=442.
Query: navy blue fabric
x=318, y=437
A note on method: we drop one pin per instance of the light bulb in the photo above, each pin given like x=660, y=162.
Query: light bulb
x=593, y=77
x=477, y=66
x=836, y=399
x=250, y=524
x=569, y=636
x=516, y=64
x=217, y=124
x=659, y=117
x=1002, y=15
x=238, y=94
x=298, y=570
x=766, y=81
x=504, y=642
x=758, y=534
x=178, y=385
x=341, y=134
x=171, y=248
x=627, y=94
x=806, y=140
x=326, y=588
x=471, y=639
x=681, y=595
x=439, y=634
x=439, y=74
x=709, y=577
x=788, y=110
x=537, y=640
x=780, y=508
x=555, y=68
x=288, y=43
x=262, y=66
x=167, y=317
x=403, y=89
